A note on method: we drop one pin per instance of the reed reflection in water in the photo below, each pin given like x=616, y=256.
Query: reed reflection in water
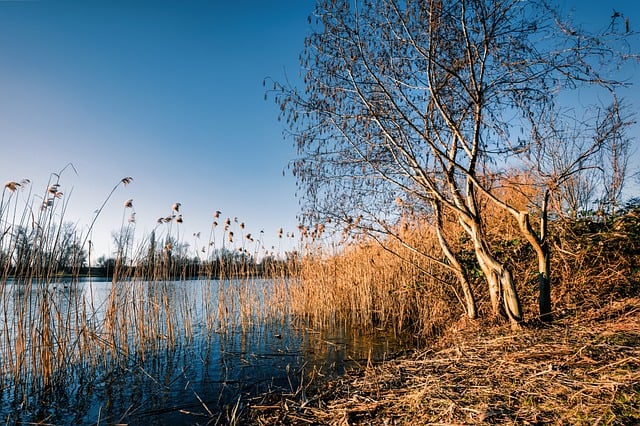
x=172, y=352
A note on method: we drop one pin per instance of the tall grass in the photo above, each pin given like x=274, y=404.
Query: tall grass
x=399, y=283
x=370, y=286
x=55, y=332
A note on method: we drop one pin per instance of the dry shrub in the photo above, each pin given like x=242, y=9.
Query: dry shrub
x=596, y=261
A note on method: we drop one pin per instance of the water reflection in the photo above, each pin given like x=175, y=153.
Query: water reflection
x=212, y=361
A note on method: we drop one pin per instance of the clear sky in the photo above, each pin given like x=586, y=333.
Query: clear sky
x=168, y=92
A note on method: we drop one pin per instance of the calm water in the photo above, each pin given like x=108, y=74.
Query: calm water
x=202, y=374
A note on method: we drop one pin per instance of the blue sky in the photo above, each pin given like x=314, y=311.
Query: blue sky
x=168, y=92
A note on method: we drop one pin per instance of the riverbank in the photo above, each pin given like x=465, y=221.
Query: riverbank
x=584, y=368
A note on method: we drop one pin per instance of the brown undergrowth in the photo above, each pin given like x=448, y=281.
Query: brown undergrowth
x=582, y=369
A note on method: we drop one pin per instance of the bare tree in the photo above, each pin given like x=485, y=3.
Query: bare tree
x=70, y=254
x=122, y=240
x=422, y=100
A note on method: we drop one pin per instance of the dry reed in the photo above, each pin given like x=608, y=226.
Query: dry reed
x=54, y=332
x=366, y=285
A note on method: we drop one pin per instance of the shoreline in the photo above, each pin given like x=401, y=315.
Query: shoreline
x=584, y=368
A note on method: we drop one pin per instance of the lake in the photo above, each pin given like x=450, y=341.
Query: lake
x=166, y=352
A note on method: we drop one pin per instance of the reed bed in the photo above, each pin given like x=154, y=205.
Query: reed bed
x=370, y=286
x=57, y=340
x=581, y=369
x=398, y=282
x=57, y=333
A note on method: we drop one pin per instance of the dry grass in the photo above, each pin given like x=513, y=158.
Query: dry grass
x=54, y=334
x=583, y=369
x=368, y=286
x=580, y=369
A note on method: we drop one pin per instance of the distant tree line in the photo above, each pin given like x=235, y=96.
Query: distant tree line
x=222, y=264
x=28, y=254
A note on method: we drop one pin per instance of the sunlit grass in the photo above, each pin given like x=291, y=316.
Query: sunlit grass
x=365, y=285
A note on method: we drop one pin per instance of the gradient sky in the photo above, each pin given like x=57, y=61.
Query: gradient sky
x=168, y=92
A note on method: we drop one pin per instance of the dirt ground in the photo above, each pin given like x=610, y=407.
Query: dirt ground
x=581, y=369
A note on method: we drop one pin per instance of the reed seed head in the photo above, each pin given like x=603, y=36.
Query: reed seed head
x=176, y=207
x=129, y=203
x=47, y=203
x=179, y=218
x=12, y=185
x=127, y=180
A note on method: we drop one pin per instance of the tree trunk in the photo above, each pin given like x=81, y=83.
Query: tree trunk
x=544, y=266
x=511, y=300
x=540, y=246
x=544, y=270
x=502, y=290
x=544, y=286
x=469, y=299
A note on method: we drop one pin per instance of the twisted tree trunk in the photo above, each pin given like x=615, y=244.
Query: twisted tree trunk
x=502, y=290
x=469, y=299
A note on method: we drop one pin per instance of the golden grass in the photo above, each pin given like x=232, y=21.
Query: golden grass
x=368, y=286
x=402, y=286
x=478, y=374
